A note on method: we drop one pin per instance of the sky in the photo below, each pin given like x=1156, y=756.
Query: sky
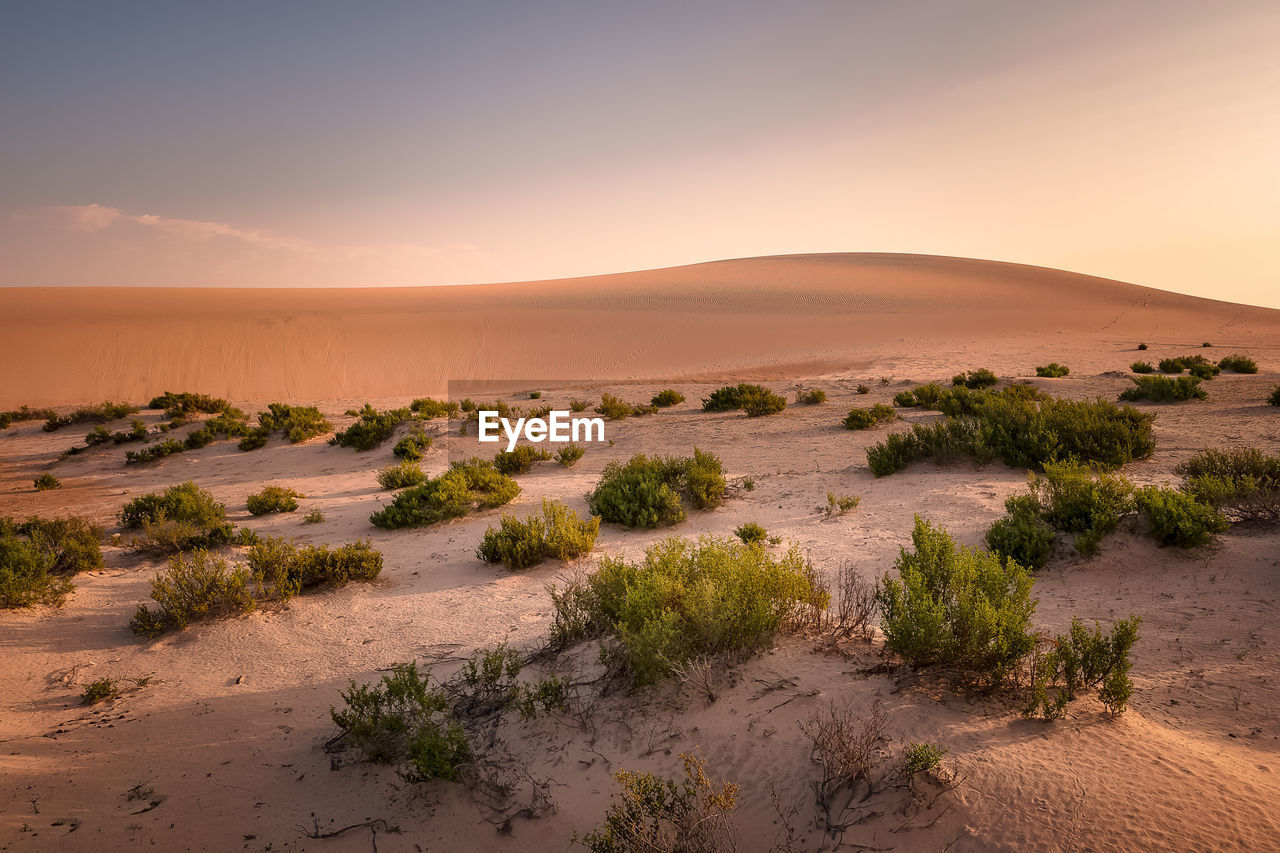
x=384, y=143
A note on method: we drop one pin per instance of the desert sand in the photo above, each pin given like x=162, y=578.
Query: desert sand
x=228, y=735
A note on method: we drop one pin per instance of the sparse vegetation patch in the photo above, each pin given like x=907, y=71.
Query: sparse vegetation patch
x=183, y=516
x=1053, y=370
x=559, y=534
x=467, y=486
x=273, y=499
x=651, y=491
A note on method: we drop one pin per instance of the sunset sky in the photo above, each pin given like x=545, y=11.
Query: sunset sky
x=380, y=143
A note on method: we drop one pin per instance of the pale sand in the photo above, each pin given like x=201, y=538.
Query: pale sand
x=1193, y=765
x=778, y=317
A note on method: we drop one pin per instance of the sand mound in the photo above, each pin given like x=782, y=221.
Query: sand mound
x=772, y=317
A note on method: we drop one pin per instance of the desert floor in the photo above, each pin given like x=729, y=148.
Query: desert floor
x=228, y=734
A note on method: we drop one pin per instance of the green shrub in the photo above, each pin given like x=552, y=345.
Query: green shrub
x=428, y=408
x=659, y=815
x=922, y=396
x=863, y=389
x=156, y=451
x=184, y=516
x=273, y=499
x=520, y=460
x=1172, y=365
x=101, y=435
x=1081, y=499
x=569, y=455
x=756, y=400
x=1206, y=344
x=684, y=600
x=560, y=534
x=1053, y=370
x=1080, y=661
x=981, y=378
x=1022, y=429
x=840, y=504
x=400, y=719
x=26, y=573
x=811, y=397
x=1142, y=346
x=25, y=413
x=649, y=491
x=100, y=413
x=401, y=475
x=1141, y=367
x=751, y=533
x=280, y=570
x=412, y=447
x=957, y=606
x=195, y=587
x=615, y=409
x=182, y=405
x=1022, y=535
x=465, y=487
x=313, y=517
x=1238, y=364
x=1274, y=398
x=71, y=543
x=1161, y=389
x=373, y=428
x=1205, y=371
x=47, y=481
x=868, y=418
x=1245, y=482
x=1177, y=518
x=295, y=423
x=667, y=397
x=922, y=758
x=101, y=690
x=535, y=395
x=579, y=405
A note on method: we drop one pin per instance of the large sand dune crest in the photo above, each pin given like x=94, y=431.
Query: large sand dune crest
x=777, y=316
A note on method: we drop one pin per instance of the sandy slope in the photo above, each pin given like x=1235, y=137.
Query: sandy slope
x=228, y=736
x=771, y=317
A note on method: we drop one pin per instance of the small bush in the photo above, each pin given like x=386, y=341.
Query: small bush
x=535, y=395
x=981, y=378
x=25, y=413
x=1206, y=344
x=465, y=487
x=401, y=476
x=184, y=516
x=183, y=405
x=373, y=428
x=195, y=587
x=922, y=758
x=168, y=447
x=429, y=409
x=1238, y=364
x=1245, y=483
x=957, y=606
x=280, y=570
x=667, y=397
x=1022, y=535
x=569, y=455
x=1142, y=346
x=1082, y=660
x=811, y=397
x=756, y=400
x=760, y=404
x=1274, y=398
x=650, y=491
x=685, y=600
x=102, y=690
x=400, y=719
x=412, y=447
x=658, y=815
x=1177, y=518
x=295, y=423
x=273, y=499
x=922, y=396
x=579, y=405
x=1204, y=371
x=615, y=409
x=863, y=389
x=1053, y=370
x=1141, y=367
x=1081, y=499
x=868, y=418
x=47, y=481
x=1172, y=365
x=520, y=460
x=100, y=413
x=1161, y=389
x=313, y=517
x=752, y=533
x=38, y=556
x=560, y=533
x=840, y=504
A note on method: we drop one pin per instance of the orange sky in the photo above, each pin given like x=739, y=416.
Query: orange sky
x=409, y=144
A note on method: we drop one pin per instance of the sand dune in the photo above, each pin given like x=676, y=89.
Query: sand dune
x=772, y=317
